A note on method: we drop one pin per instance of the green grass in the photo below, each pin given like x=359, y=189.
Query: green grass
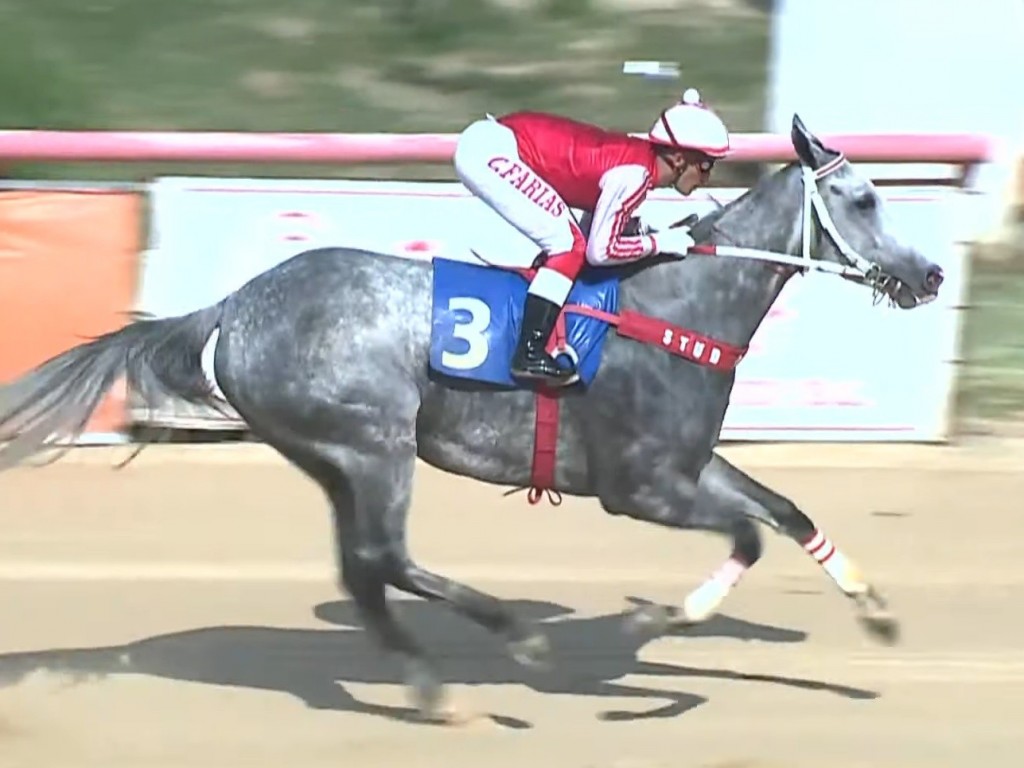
x=992, y=377
x=344, y=65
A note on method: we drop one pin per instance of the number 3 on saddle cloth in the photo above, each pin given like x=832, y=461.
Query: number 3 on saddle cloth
x=478, y=310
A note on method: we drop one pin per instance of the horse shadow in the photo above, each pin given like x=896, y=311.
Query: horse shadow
x=589, y=655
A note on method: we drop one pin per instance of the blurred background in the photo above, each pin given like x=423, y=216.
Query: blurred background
x=347, y=65
x=435, y=65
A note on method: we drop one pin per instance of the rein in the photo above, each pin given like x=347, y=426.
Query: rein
x=857, y=269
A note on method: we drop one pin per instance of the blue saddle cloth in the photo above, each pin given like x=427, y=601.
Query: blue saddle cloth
x=477, y=312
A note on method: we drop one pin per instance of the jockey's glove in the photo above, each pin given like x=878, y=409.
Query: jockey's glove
x=674, y=242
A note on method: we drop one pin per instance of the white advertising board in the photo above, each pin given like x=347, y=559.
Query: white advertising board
x=905, y=66
x=826, y=364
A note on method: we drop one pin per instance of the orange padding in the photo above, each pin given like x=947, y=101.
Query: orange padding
x=68, y=266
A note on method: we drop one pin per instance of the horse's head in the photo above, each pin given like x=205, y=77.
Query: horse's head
x=853, y=229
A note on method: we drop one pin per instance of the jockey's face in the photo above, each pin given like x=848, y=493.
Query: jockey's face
x=694, y=172
x=691, y=170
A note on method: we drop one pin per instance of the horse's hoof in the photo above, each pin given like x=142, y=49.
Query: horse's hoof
x=425, y=692
x=651, y=620
x=433, y=705
x=876, y=618
x=534, y=651
x=882, y=626
x=450, y=715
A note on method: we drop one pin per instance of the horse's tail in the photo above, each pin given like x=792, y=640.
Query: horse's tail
x=158, y=359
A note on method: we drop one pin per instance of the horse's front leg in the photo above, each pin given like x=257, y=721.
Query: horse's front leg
x=671, y=499
x=707, y=505
x=724, y=490
x=727, y=501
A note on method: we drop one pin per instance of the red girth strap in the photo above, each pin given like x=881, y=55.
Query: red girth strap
x=681, y=342
x=545, y=446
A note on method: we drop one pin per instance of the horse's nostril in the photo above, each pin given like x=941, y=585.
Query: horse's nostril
x=933, y=279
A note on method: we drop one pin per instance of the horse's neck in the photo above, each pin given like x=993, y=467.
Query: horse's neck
x=721, y=296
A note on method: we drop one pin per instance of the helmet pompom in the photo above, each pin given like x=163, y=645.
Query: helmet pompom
x=691, y=96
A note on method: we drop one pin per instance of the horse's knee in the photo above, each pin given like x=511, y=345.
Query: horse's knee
x=747, y=545
x=792, y=521
x=363, y=569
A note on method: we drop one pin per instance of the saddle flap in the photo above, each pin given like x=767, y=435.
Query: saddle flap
x=477, y=313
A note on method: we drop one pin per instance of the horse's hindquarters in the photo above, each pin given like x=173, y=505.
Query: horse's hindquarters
x=328, y=345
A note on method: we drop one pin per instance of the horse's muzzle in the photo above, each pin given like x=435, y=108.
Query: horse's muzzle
x=923, y=290
x=933, y=280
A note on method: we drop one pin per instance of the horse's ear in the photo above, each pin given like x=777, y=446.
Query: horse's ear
x=808, y=148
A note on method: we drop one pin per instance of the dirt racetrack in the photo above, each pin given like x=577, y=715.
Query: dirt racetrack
x=183, y=613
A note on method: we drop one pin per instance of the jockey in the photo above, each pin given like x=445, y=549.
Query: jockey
x=532, y=168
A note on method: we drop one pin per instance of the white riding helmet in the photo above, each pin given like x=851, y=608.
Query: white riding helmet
x=689, y=124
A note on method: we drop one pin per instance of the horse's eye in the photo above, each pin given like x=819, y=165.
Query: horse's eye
x=865, y=202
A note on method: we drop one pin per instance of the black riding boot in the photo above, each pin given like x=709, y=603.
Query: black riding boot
x=531, y=360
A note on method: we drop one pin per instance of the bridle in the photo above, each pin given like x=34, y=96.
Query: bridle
x=856, y=269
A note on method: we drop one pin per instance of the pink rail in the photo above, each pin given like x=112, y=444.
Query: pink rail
x=347, y=148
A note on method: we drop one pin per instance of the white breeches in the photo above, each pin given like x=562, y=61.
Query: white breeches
x=487, y=162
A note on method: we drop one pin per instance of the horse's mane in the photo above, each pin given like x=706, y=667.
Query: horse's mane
x=704, y=229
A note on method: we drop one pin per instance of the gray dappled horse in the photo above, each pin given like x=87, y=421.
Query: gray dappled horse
x=325, y=357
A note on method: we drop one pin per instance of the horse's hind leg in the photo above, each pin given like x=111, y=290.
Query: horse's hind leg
x=371, y=492
x=724, y=490
x=362, y=500
x=527, y=645
x=367, y=494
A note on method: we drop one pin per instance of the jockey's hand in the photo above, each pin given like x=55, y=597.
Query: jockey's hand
x=635, y=227
x=687, y=222
x=674, y=242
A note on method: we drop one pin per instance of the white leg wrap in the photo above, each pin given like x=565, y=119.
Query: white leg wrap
x=706, y=598
x=843, y=572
